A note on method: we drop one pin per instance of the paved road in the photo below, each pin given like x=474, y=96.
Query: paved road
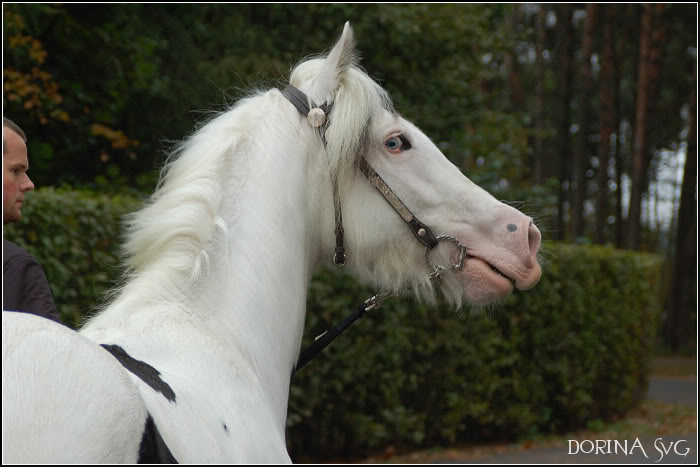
x=676, y=449
x=672, y=449
x=673, y=391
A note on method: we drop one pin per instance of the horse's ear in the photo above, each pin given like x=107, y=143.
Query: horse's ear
x=339, y=60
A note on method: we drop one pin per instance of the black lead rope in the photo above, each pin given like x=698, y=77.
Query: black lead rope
x=322, y=341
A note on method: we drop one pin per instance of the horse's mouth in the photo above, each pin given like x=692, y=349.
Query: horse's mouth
x=484, y=282
x=497, y=271
x=491, y=267
x=494, y=271
x=504, y=279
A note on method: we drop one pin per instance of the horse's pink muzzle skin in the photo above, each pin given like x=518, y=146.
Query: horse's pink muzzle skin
x=502, y=255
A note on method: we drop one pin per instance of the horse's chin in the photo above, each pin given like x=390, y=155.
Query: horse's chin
x=482, y=284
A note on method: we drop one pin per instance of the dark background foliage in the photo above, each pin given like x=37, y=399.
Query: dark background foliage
x=583, y=114
x=572, y=351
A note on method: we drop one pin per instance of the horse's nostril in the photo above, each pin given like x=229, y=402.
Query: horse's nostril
x=512, y=227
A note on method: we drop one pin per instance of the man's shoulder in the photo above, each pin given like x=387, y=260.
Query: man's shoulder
x=12, y=252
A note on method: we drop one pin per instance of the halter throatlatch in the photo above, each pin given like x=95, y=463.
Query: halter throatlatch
x=318, y=118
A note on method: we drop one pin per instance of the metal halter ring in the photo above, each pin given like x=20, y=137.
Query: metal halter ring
x=458, y=266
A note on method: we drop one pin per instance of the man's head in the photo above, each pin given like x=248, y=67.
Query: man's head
x=14, y=171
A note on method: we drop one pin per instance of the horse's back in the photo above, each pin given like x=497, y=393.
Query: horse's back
x=65, y=399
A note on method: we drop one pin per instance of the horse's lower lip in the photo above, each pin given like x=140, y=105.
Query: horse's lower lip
x=483, y=283
x=496, y=272
x=494, y=269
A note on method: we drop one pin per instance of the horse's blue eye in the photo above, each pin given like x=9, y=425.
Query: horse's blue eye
x=394, y=143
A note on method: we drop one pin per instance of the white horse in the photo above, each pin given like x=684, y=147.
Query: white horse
x=192, y=360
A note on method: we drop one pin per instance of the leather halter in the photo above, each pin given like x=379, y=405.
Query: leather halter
x=318, y=118
x=422, y=233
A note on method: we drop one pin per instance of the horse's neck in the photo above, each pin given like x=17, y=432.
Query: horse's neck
x=251, y=303
x=259, y=293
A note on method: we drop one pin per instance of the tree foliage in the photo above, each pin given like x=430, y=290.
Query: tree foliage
x=104, y=90
x=130, y=78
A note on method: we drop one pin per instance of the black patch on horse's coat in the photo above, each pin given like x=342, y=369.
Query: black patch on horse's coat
x=153, y=449
x=225, y=427
x=143, y=370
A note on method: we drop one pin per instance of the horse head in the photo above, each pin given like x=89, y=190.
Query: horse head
x=500, y=242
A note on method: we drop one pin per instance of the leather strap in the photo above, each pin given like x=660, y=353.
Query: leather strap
x=322, y=341
x=300, y=101
x=339, y=257
x=420, y=230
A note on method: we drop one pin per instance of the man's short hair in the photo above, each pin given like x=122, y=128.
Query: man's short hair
x=6, y=122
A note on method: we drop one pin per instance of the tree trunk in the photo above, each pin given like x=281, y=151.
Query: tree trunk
x=539, y=98
x=607, y=118
x=648, y=244
x=619, y=168
x=511, y=59
x=650, y=49
x=676, y=187
x=632, y=13
x=619, y=117
x=581, y=153
x=565, y=51
x=678, y=327
x=658, y=228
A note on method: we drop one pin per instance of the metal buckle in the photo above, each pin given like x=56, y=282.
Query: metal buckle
x=376, y=300
x=339, y=257
x=438, y=270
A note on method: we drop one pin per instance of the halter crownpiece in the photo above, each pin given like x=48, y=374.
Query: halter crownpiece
x=316, y=115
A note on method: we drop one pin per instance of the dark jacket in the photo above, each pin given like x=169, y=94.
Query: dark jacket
x=25, y=287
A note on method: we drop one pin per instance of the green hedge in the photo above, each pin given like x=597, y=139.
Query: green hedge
x=75, y=237
x=571, y=351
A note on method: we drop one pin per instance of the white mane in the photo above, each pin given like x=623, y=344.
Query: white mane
x=169, y=241
x=173, y=231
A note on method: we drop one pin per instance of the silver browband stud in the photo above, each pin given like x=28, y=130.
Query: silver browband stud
x=421, y=232
x=316, y=117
